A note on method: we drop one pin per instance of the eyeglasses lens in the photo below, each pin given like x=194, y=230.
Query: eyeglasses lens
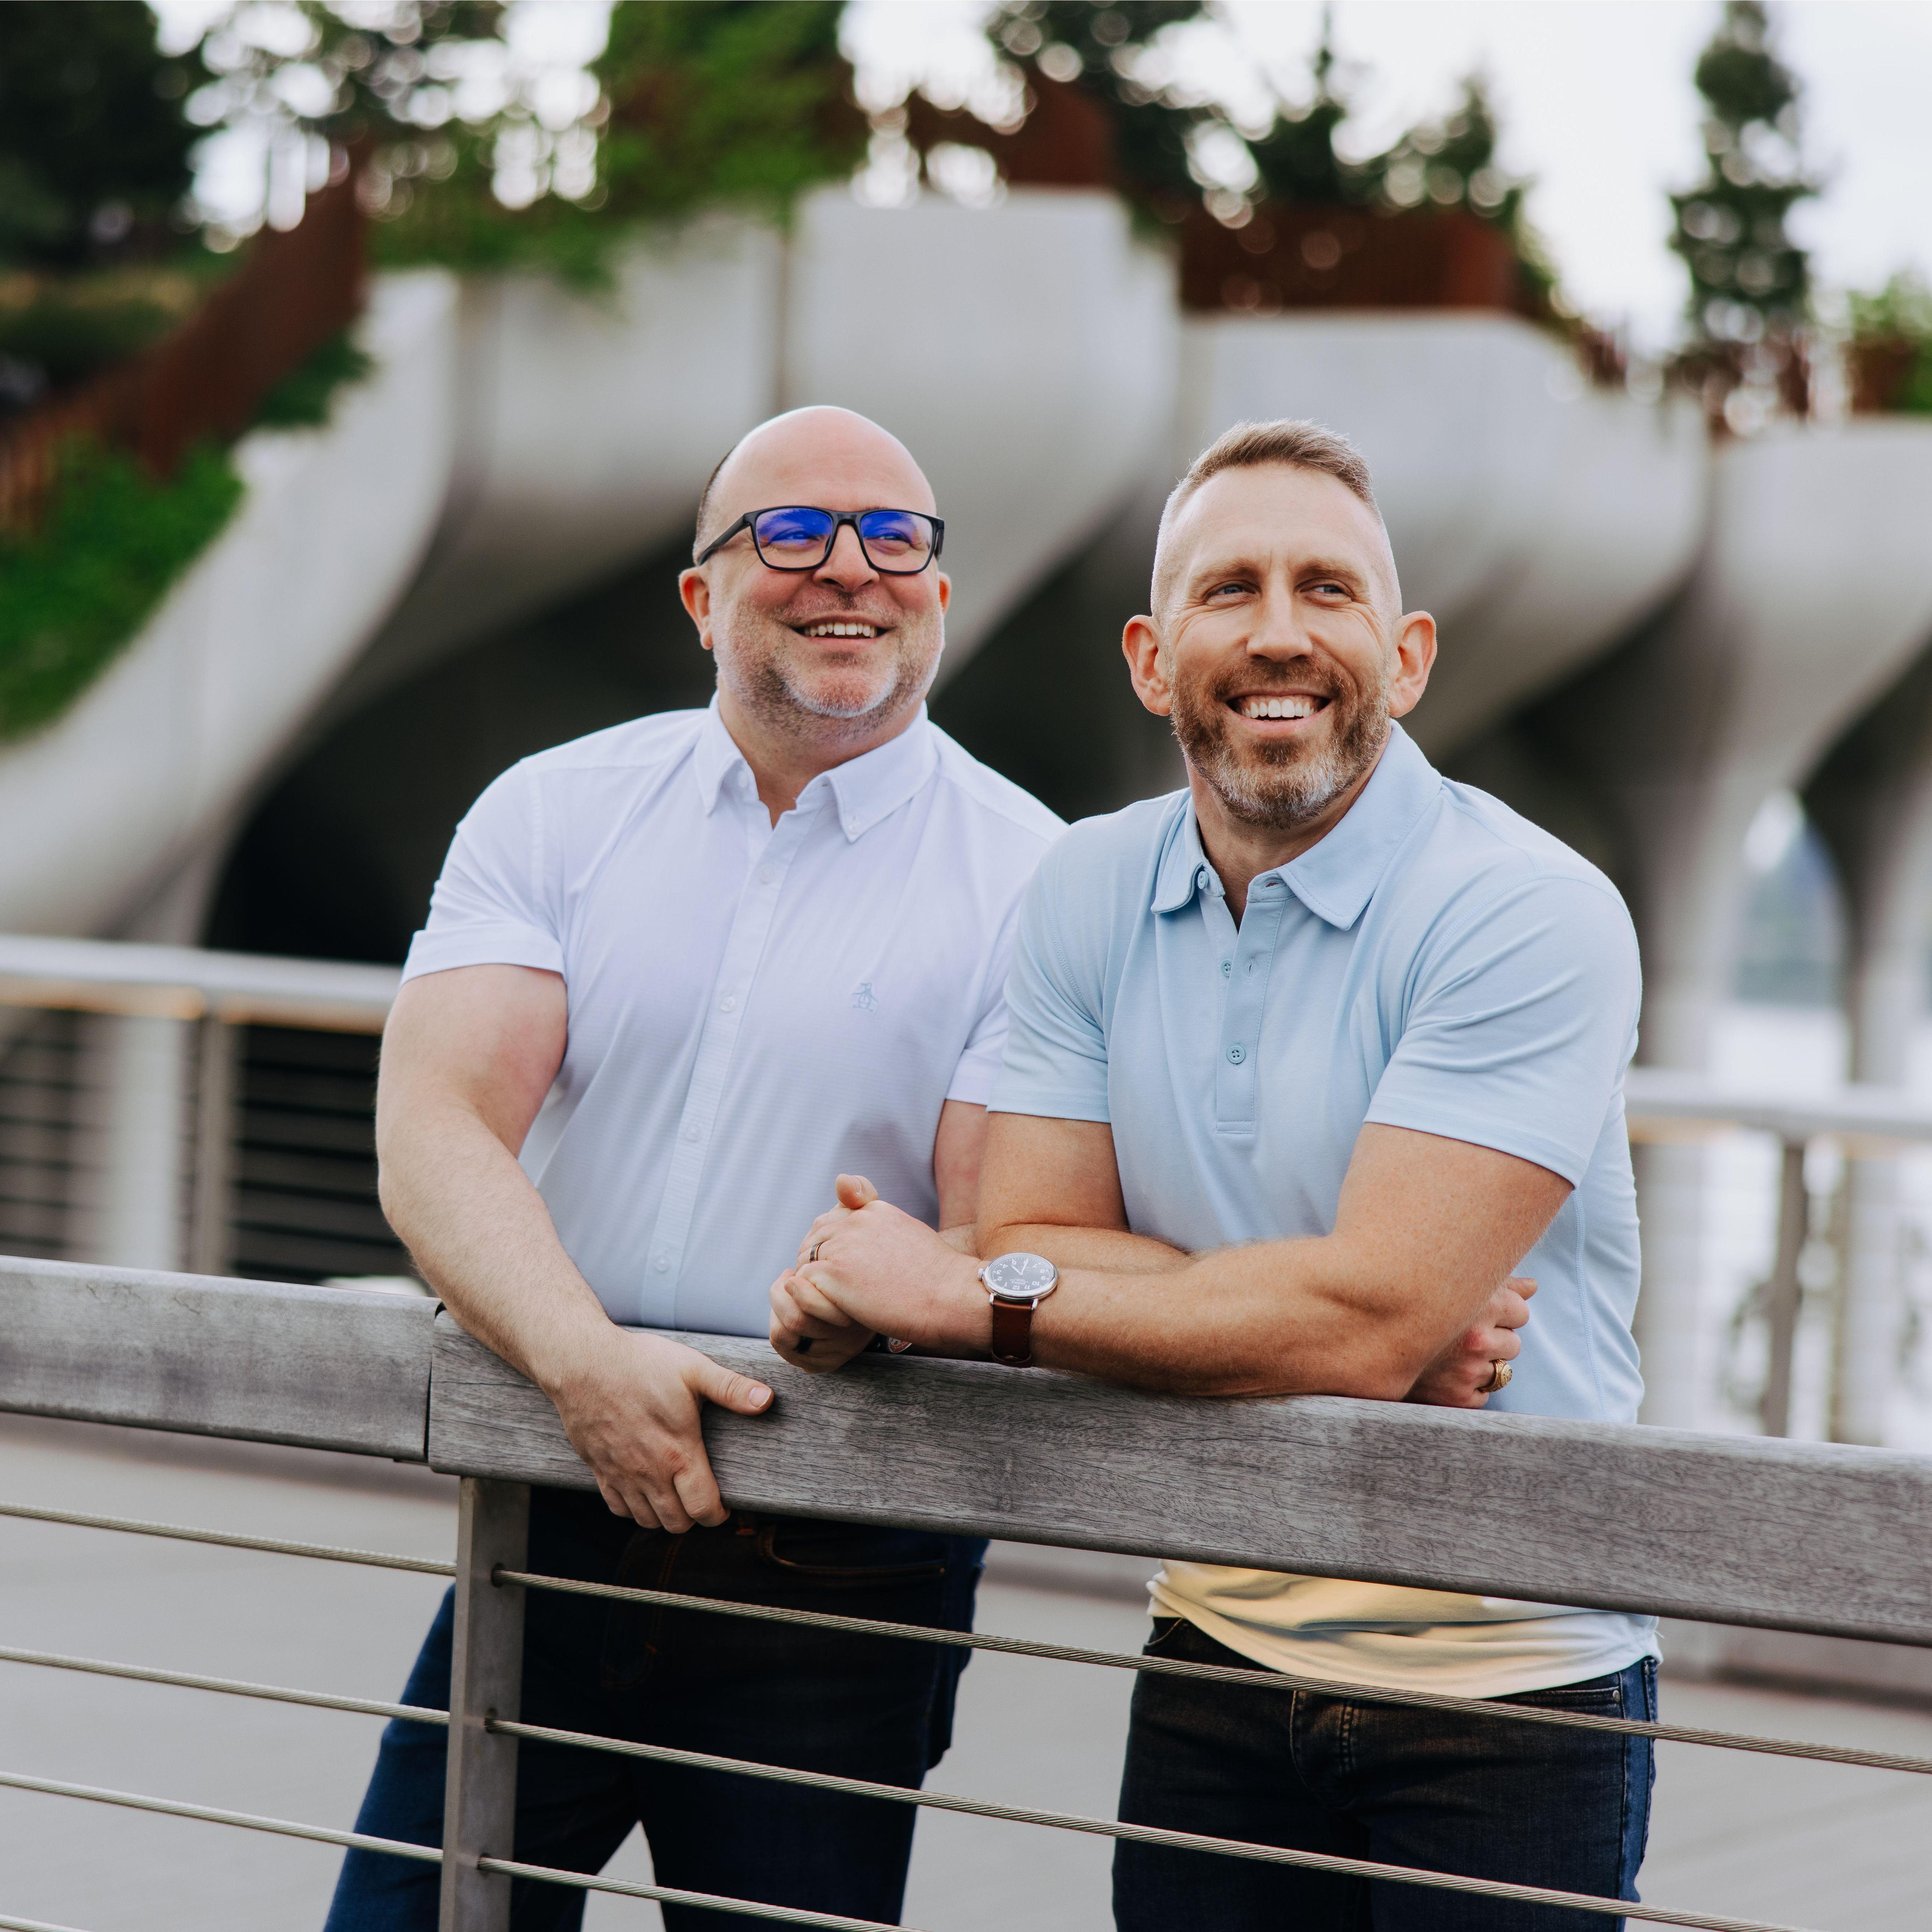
x=788, y=539
x=897, y=539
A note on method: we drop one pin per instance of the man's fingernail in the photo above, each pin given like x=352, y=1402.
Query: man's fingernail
x=759, y=1397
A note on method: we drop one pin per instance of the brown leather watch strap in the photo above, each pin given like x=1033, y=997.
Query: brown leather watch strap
x=1012, y=1334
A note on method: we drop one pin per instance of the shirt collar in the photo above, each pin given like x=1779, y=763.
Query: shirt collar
x=1336, y=877
x=867, y=789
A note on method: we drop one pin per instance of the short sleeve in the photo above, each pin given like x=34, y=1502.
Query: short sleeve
x=978, y=1072
x=1519, y=1025
x=494, y=905
x=1056, y=1050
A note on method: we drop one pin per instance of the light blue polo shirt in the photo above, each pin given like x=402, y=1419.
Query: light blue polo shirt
x=1435, y=962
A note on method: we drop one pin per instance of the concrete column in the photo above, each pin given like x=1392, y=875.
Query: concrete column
x=1872, y=800
x=1814, y=592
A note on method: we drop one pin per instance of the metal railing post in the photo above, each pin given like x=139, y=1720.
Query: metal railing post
x=485, y=1682
x=218, y=1053
x=1784, y=1295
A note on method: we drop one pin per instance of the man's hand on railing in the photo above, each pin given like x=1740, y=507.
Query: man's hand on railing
x=633, y=1411
x=1455, y=1379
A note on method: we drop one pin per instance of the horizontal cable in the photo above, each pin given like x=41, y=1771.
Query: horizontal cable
x=213, y=1814
x=1014, y=1646
x=1249, y=1679
x=1147, y=1835
x=666, y=1894
x=233, y=1686
x=377, y=1559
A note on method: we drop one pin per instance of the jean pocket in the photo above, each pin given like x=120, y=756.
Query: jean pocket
x=807, y=1564
x=1600, y=1696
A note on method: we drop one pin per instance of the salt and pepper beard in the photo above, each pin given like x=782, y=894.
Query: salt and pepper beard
x=753, y=648
x=1284, y=784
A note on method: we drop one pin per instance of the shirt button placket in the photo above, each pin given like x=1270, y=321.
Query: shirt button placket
x=1234, y=1077
x=751, y=925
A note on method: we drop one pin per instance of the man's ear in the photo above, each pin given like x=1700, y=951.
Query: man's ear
x=694, y=589
x=1146, y=666
x=945, y=592
x=1414, y=655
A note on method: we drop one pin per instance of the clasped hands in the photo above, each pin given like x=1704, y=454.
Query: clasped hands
x=865, y=1268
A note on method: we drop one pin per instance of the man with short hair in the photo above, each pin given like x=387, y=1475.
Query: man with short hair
x=675, y=976
x=1303, y=1060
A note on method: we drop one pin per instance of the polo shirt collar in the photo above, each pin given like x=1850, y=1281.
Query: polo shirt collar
x=1337, y=877
x=866, y=789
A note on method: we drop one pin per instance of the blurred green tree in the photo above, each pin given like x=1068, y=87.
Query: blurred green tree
x=93, y=151
x=1174, y=148
x=477, y=162
x=1749, y=282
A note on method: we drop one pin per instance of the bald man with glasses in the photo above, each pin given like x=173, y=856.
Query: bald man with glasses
x=676, y=977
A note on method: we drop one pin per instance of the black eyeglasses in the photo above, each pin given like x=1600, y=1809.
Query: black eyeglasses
x=897, y=543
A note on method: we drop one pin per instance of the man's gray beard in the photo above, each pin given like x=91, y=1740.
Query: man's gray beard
x=762, y=681
x=1285, y=786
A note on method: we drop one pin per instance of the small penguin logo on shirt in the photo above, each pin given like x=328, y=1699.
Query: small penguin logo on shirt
x=865, y=1000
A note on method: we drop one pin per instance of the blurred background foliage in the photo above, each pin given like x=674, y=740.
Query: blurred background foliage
x=476, y=161
x=74, y=591
x=1751, y=284
x=1174, y=147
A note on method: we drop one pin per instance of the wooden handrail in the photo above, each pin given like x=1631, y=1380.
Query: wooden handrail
x=1726, y=1529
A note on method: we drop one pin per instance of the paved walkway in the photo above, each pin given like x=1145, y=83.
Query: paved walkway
x=1818, y=1847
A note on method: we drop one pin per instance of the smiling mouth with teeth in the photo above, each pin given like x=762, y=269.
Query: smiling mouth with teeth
x=1287, y=704
x=838, y=627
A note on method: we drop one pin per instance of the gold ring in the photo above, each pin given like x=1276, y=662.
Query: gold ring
x=815, y=1247
x=1499, y=1375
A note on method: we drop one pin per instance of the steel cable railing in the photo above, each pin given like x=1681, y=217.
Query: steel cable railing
x=938, y=1801
x=1011, y=1646
x=850, y=1786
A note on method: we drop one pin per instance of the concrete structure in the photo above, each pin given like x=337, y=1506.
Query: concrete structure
x=1813, y=593
x=1689, y=631
x=1872, y=799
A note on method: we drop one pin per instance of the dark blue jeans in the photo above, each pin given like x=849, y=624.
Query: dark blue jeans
x=1490, y=1798
x=877, y=1708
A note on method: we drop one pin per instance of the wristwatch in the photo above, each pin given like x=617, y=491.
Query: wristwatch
x=1017, y=1285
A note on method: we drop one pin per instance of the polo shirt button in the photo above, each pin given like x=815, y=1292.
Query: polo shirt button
x=729, y=1004
x=691, y=1133
x=1227, y=967
x=662, y=1264
x=1237, y=1053
x=767, y=876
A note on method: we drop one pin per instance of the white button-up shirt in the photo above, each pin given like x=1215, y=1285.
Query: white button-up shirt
x=754, y=1009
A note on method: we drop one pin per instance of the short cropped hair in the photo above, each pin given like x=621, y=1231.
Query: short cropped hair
x=1249, y=445
x=704, y=500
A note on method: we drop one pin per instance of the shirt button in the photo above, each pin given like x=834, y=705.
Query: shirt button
x=1227, y=967
x=691, y=1133
x=729, y=1004
x=768, y=875
x=662, y=1264
x=1237, y=1054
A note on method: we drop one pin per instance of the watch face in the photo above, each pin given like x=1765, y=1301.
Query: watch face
x=1020, y=1277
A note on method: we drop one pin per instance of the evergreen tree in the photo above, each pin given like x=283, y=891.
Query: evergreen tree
x=1749, y=282
x=94, y=150
x=1097, y=45
x=1297, y=157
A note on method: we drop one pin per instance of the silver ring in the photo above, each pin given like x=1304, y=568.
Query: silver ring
x=815, y=1247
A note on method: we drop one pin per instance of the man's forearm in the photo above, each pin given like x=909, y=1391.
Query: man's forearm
x=1287, y=1318
x=1112, y=1250
x=484, y=1241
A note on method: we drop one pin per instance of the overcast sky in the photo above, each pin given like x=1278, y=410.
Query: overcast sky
x=1596, y=103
